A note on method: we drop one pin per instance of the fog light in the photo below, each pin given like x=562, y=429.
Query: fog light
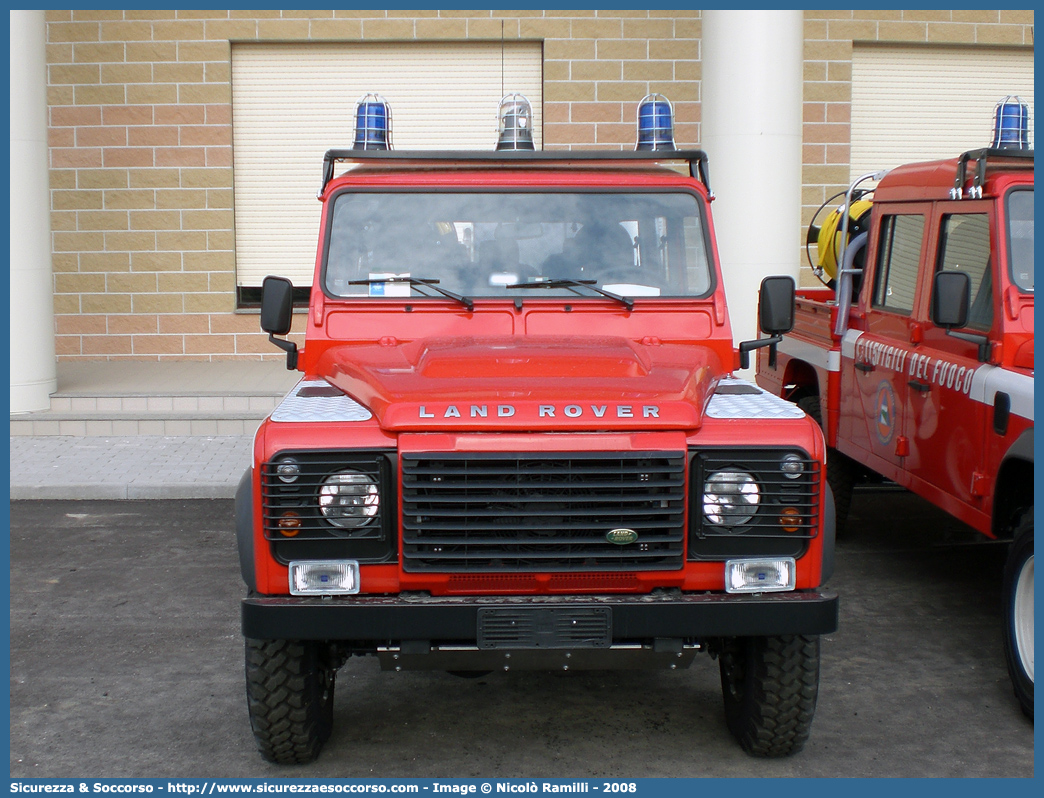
x=324, y=577
x=760, y=576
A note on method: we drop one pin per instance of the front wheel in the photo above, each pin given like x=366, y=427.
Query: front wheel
x=290, y=692
x=1018, y=613
x=770, y=685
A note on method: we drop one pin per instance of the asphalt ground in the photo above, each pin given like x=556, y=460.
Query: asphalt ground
x=127, y=661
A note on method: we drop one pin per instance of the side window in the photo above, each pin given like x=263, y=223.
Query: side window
x=697, y=268
x=899, y=256
x=965, y=247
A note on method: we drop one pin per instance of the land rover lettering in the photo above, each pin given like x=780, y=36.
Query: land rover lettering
x=542, y=411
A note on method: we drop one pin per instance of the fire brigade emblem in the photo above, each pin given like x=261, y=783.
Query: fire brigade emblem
x=885, y=417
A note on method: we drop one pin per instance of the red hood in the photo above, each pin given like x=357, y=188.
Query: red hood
x=532, y=383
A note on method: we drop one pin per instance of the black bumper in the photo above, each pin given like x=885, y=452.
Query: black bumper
x=398, y=618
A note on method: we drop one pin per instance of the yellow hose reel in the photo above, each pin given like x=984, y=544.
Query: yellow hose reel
x=828, y=236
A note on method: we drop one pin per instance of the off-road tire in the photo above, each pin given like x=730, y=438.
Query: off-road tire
x=770, y=685
x=290, y=692
x=1018, y=612
x=841, y=471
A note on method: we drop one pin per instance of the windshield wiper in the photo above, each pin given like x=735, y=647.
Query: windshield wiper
x=572, y=285
x=418, y=282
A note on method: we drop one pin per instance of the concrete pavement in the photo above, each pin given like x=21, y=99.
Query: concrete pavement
x=128, y=429
x=132, y=467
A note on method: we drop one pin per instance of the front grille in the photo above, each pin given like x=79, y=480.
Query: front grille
x=473, y=512
x=765, y=533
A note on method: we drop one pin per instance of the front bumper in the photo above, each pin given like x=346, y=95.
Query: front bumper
x=457, y=619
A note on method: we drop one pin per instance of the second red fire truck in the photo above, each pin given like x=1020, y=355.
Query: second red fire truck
x=917, y=358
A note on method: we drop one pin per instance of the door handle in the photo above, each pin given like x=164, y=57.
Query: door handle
x=921, y=387
x=866, y=368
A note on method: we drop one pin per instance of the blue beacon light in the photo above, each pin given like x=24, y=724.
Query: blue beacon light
x=372, y=123
x=655, y=123
x=1011, y=124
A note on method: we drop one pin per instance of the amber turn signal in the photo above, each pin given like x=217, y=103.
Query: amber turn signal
x=289, y=525
x=790, y=519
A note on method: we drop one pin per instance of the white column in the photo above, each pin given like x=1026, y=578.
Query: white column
x=33, y=376
x=751, y=130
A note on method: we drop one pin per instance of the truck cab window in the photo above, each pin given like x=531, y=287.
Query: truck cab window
x=897, y=262
x=965, y=247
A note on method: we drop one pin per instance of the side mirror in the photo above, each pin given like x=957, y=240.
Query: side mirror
x=951, y=298
x=775, y=317
x=277, y=314
x=277, y=305
x=776, y=305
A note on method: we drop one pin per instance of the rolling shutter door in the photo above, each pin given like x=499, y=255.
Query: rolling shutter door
x=291, y=103
x=921, y=103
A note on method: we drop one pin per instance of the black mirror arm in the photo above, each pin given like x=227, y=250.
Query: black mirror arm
x=746, y=347
x=983, y=342
x=287, y=346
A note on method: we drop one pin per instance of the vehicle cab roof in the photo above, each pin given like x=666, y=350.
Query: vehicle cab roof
x=992, y=170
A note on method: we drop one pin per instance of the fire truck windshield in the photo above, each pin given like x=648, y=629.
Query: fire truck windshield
x=480, y=243
x=1020, y=231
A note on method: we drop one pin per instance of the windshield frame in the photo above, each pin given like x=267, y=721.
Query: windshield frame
x=1007, y=232
x=566, y=295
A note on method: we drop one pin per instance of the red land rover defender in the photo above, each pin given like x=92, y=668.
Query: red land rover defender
x=517, y=443
x=919, y=360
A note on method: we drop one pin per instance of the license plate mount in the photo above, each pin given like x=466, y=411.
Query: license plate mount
x=544, y=627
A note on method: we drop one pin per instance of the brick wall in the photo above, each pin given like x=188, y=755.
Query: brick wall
x=141, y=140
x=829, y=37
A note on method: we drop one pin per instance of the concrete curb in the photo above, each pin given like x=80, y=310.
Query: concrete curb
x=93, y=492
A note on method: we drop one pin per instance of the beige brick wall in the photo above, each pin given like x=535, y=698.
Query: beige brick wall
x=141, y=139
x=141, y=148
x=829, y=36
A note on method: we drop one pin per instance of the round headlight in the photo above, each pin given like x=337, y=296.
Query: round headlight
x=730, y=498
x=349, y=500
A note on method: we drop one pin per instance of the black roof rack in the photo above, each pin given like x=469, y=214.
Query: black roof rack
x=697, y=159
x=981, y=157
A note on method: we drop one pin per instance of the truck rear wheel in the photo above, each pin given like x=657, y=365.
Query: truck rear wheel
x=770, y=685
x=1018, y=613
x=290, y=692
x=840, y=470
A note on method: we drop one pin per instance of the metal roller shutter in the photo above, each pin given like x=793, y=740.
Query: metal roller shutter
x=916, y=103
x=293, y=102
